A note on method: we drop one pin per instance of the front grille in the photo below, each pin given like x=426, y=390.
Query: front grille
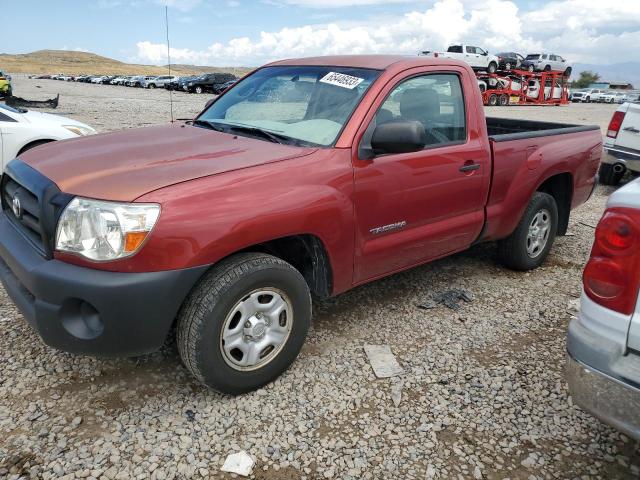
x=32, y=203
x=23, y=209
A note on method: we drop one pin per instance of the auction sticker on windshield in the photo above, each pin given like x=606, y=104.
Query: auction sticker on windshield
x=341, y=80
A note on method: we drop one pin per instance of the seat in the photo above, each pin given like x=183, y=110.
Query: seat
x=423, y=105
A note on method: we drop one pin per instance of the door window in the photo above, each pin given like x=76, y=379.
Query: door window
x=455, y=49
x=434, y=100
x=470, y=49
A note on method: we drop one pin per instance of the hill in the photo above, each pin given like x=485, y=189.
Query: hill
x=75, y=63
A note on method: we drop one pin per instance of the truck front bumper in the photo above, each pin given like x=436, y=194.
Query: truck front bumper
x=602, y=381
x=82, y=310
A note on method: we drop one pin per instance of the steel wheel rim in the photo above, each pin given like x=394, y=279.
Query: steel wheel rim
x=538, y=234
x=256, y=329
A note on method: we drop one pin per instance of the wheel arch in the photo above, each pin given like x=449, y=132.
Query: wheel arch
x=560, y=187
x=307, y=254
x=34, y=143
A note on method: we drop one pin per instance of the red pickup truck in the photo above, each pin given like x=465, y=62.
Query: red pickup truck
x=306, y=178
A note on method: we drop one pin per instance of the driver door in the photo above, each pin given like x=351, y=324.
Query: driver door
x=417, y=206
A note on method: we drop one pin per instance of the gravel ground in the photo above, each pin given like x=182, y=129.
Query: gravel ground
x=483, y=394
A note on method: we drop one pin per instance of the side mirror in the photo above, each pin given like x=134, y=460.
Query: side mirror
x=399, y=137
x=485, y=53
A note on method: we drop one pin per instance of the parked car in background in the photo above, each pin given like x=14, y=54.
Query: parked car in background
x=158, y=82
x=80, y=78
x=576, y=95
x=509, y=60
x=603, y=342
x=586, y=95
x=621, y=144
x=181, y=83
x=365, y=177
x=478, y=58
x=226, y=86
x=135, y=81
x=117, y=80
x=21, y=130
x=209, y=82
x=5, y=85
x=544, y=62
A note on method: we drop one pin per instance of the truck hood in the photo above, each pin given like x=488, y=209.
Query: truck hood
x=123, y=166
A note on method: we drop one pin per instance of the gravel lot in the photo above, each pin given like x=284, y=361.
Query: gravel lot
x=483, y=394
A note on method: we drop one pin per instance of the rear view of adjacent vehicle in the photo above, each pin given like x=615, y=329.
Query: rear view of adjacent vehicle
x=621, y=144
x=603, y=343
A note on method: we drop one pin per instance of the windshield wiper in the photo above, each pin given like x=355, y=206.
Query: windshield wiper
x=271, y=136
x=266, y=134
x=210, y=125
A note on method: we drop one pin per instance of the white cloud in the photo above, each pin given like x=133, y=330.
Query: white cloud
x=577, y=29
x=340, y=3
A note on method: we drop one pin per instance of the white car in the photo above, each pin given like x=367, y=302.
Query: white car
x=22, y=129
x=545, y=62
x=603, y=342
x=533, y=90
x=621, y=144
x=478, y=58
x=158, y=82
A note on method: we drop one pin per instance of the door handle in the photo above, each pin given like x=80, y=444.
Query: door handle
x=469, y=167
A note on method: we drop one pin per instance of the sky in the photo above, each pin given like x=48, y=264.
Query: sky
x=249, y=33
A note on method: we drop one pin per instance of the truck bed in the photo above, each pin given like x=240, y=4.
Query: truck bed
x=506, y=129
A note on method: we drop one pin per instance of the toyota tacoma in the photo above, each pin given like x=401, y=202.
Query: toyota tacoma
x=306, y=178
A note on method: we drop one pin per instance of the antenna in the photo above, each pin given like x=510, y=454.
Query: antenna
x=166, y=20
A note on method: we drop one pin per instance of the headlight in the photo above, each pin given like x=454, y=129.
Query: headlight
x=105, y=230
x=80, y=131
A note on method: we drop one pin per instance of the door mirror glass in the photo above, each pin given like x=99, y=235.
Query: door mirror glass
x=399, y=137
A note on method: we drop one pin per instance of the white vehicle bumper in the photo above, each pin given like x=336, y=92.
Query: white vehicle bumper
x=624, y=156
x=603, y=377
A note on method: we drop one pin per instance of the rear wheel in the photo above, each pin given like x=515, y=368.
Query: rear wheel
x=528, y=246
x=507, y=66
x=547, y=68
x=245, y=322
x=199, y=89
x=152, y=85
x=493, y=100
x=530, y=68
x=504, y=100
x=492, y=67
x=611, y=174
x=567, y=72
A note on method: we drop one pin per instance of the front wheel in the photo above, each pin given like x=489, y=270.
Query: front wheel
x=244, y=324
x=528, y=246
x=199, y=89
x=492, y=67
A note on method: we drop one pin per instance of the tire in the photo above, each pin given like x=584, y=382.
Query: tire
x=152, y=85
x=199, y=89
x=530, y=68
x=493, y=100
x=608, y=176
x=567, y=72
x=515, y=250
x=547, y=68
x=213, y=307
x=492, y=67
x=504, y=100
x=507, y=66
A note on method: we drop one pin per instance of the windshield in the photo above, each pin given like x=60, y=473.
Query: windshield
x=309, y=104
x=533, y=57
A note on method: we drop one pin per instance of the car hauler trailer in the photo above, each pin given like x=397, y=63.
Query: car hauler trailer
x=520, y=87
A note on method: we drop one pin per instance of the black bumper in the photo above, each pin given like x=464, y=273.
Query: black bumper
x=82, y=310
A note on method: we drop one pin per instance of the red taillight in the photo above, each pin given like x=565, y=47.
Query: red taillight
x=615, y=124
x=612, y=275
